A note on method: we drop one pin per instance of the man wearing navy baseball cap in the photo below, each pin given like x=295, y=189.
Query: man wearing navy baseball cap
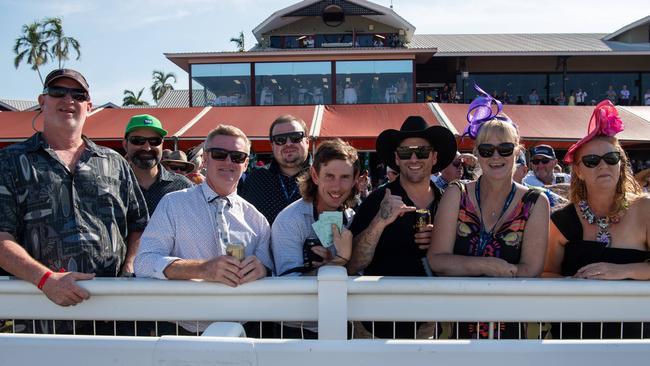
x=543, y=162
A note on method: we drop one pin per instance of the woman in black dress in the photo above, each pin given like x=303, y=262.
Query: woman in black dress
x=604, y=232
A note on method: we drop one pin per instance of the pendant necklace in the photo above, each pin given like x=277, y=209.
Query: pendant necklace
x=603, y=235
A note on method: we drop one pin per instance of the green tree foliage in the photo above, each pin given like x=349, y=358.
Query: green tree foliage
x=130, y=98
x=161, y=84
x=61, y=44
x=239, y=42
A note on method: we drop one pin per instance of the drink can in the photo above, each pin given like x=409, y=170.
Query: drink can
x=236, y=250
x=422, y=219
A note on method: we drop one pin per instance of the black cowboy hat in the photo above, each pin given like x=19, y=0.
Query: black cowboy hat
x=441, y=139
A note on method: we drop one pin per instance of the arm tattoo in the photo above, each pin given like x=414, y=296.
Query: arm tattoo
x=363, y=249
x=386, y=210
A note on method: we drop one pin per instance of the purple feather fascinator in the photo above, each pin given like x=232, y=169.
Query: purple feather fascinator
x=481, y=111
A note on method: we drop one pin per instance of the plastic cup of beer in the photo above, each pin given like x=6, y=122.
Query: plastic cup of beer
x=236, y=250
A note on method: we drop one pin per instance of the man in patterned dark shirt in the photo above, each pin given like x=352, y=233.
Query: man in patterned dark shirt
x=272, y=188
x=143, y=140
x=69, y=209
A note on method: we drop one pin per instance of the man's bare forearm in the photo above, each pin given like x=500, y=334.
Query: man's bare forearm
x=132, y=245
x=363, y=247
x=15, y=260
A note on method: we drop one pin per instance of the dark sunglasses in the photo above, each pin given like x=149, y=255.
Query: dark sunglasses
x=457, y=163
x=540, y=161
x=176, y=167
x=281, y=139
x=140, y=140
x=504, y=149
x=79, y=95
x=236, y=157
x=421, y=152
x=592, y=161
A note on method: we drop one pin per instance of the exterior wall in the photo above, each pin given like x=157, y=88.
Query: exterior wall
x=315, y=25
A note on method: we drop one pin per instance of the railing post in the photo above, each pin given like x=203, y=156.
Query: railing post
x=332, y=303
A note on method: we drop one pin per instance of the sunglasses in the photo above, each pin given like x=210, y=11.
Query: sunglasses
x=457, y=163
x=79, y=95
x=176, y=167
x=236, y=157
x=281, y=139
x=592, y=161
x=140, y=140
x=504, y=149
x=540, y=161
x=421, y=152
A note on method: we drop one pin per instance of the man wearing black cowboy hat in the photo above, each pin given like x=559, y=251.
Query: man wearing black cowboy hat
x=385, y=240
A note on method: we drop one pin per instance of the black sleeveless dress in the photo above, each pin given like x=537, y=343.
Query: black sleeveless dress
x=579, y=253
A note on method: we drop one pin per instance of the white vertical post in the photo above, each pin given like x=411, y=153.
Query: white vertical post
x=332, y=303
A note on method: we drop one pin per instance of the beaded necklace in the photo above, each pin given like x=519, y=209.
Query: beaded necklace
x=603, y=235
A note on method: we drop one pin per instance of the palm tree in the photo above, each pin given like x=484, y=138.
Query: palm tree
x=130, y=98
x=239, y=42
x=32, y=44
x=60, y=43
x=160, y=85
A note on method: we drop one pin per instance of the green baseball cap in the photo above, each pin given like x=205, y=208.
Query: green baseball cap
x=145, y=121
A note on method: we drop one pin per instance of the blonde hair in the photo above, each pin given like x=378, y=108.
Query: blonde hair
x=626, y=183
x=228, y=130
x=502, y=130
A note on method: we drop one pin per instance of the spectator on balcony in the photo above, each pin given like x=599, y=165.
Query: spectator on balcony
x=604, y=232
x=560, y=99
x=349, y=94
x=533, y=97
x=275, y=186
x=581, y=96
x=505, y=97
x=611, y=94
x=624, y=96
x=71, y=210
x=646, y=98
x=385, y=240
x=143, y=141
x=572, y=98
x=492, y=227
x=328, y=187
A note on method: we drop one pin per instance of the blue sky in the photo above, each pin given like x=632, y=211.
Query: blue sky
x=124, y=41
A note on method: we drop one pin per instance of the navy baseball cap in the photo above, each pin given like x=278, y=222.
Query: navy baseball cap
x=67, y=73
x=543, y=150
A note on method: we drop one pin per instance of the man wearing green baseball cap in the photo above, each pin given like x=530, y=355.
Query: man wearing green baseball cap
x=143, y=141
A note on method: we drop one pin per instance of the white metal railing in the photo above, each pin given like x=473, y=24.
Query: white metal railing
x=333, y=300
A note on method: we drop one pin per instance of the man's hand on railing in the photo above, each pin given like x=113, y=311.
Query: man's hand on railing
x=251, y=269
x=62, y=288
x=224, y=269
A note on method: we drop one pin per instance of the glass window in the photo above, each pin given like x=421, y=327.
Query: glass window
x=645, y=88
x=510, y=88
x=597, y=87
x=221, y=84
x=374, y=82
x=293, y=83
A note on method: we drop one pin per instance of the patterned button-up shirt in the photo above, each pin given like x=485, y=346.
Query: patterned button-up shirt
x=184, y=225
x=269, y=190
x=74, y=220
x=165, y=182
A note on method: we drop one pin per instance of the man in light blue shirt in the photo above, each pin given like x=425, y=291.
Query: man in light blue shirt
x=543, y=162
x=188, y=235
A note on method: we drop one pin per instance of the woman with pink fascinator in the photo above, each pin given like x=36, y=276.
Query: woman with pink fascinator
x=604, y=232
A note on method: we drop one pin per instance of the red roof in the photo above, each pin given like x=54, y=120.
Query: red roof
x=362, y=123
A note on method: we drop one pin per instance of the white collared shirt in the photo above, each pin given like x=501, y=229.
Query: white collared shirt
x=184, y=226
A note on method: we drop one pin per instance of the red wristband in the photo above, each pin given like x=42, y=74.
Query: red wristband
x=41, y=283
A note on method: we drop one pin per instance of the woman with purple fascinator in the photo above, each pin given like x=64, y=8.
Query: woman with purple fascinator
x=604, y=233
x=493, y=226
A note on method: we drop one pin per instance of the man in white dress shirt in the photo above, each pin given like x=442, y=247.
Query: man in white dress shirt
x=188, y=234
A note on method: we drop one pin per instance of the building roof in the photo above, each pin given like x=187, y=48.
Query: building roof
x=364, y=8
x=18, y=105
x=533, y=44
x=639, y=23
